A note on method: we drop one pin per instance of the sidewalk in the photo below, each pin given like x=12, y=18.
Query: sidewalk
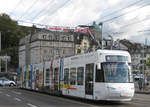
x=143, y=91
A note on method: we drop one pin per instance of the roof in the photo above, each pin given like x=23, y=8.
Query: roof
x=113, y=51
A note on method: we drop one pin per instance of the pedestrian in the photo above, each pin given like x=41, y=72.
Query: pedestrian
x=140, y=84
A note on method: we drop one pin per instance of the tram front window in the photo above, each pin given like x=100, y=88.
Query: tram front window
x=117, y=73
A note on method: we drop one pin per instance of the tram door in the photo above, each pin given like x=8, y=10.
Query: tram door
x=56, y=79
x=89, y=79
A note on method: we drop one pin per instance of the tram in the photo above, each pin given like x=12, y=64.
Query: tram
x=100, y=75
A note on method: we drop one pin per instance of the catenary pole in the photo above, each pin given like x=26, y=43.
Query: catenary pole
x=0, y=50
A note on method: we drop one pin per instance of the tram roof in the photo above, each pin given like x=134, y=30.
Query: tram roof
x=112, y=51
x=121, y=52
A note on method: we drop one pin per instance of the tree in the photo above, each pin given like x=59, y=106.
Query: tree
x=148, y=62
x=11, y=33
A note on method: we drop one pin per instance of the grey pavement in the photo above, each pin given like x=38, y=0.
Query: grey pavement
x=13, y=97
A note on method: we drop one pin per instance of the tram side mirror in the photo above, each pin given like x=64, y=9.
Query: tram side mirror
x=98, y=66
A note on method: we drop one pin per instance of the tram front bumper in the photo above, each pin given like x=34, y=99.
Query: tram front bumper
x=120, y=95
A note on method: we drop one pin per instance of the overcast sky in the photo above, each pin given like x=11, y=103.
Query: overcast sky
x=128, y=19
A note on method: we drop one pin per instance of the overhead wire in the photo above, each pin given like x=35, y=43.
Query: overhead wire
x=59, y=7
x=15, y=7
x=131, y=23
x=29, y=8
x=130, y=5
x=145, y=19
x=148, y=18
x=50, y=15
x=41, y=11
x=125, y=13
x=114, y=12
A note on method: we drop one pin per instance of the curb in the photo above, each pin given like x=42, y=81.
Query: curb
x=138, y=92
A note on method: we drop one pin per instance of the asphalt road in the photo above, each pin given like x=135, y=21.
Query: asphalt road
x=12, y=97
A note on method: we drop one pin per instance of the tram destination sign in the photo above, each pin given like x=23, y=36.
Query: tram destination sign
x=116, y=58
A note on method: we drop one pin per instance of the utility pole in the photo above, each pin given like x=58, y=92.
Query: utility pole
x=111, y=47
x=6, y=64
x=143, y=61
x=145, y=44
x=0, y=50
x=101, y=24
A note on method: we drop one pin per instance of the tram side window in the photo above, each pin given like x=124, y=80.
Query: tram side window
x=66, y=76
x=80, y=75
x=56, y=74
x=73, y=76
x=99, y=75
x=37, y=78
x=47, y=76
x=25, y=76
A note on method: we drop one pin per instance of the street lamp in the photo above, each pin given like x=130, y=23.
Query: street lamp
x=143, y=61
x=111, y=41
x=101, y=24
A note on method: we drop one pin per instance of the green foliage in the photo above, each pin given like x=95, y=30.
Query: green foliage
x=11, y=33
x=148, y=62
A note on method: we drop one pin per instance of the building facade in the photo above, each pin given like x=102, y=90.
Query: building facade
x=45, y=45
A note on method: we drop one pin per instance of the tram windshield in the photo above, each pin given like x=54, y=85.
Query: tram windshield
x=117, y=72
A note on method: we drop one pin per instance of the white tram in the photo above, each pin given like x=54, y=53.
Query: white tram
x=100, y=75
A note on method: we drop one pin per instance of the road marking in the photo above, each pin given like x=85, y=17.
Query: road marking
x=31, y=105
x=17, y=99
x=19, y=93
x=7, y=95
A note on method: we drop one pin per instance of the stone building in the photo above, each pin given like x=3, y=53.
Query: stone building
x=84, y=43
x=45, y=45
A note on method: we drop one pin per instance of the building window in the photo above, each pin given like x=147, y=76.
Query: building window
x=68, y=38
x=144, y=54
x=64, y=51
x=56, y=37
x=63, y=38
x=57, y=52
x=47, y=76
x=50, y=37
x=51, y=51
x=50, y=43
x=45, y=51
x=143, y=61
x=85, y=45
x=44, y=36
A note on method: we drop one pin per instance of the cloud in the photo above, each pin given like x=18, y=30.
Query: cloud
x=113, y=2
x=76, y=12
